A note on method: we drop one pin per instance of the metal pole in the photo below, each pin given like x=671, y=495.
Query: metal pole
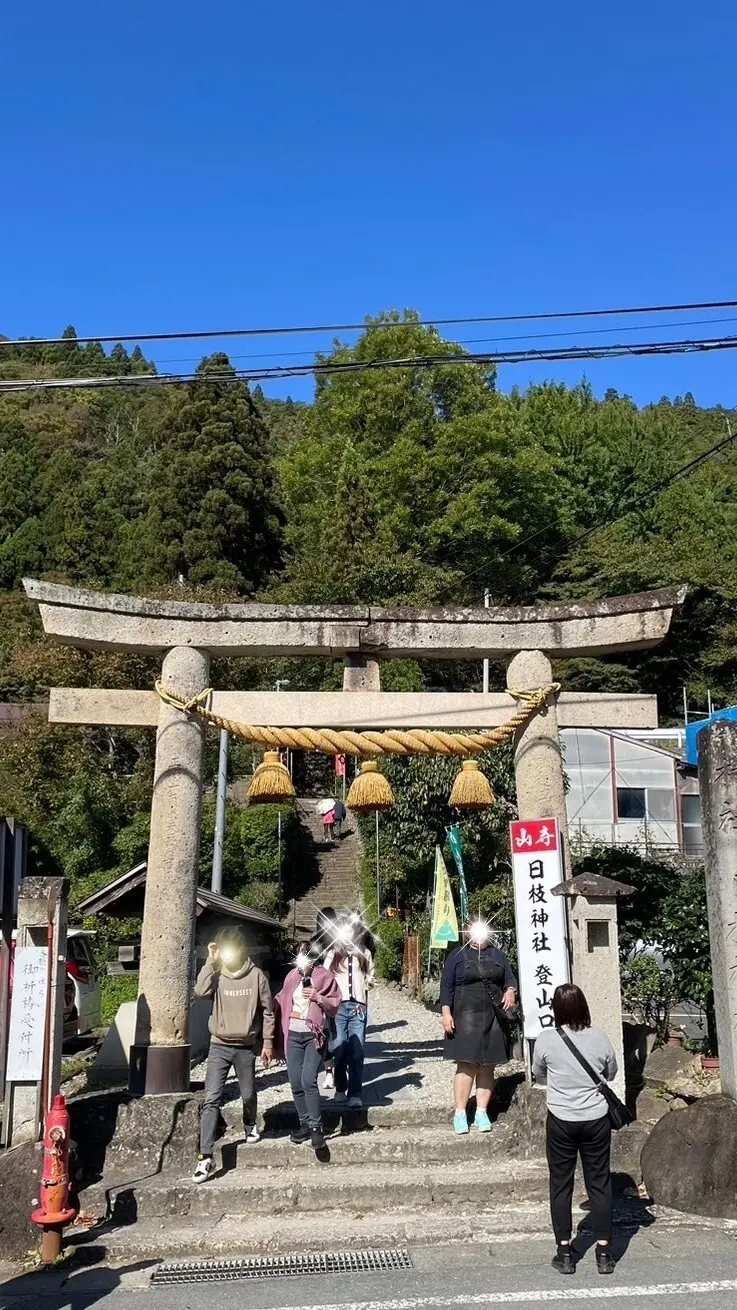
x=378, y=871
x=217, y=853
x=487, y=602
x=278, y=838
x=685, y=706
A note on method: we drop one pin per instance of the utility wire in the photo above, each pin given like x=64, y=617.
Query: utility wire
x=359, y=327
x=645, y=496
x=481, y=341
x=337, y=367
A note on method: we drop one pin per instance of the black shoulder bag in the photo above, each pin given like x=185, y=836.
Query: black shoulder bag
x=619, y=1115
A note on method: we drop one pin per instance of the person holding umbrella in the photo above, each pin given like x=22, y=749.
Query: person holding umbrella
x=326, y=808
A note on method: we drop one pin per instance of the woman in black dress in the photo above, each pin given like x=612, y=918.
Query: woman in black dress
x=477, y=990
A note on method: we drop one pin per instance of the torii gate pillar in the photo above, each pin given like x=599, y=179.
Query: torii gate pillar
x=538, y=764
x=159, y=1060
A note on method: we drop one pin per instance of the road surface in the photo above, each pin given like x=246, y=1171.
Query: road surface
x=660, y=1269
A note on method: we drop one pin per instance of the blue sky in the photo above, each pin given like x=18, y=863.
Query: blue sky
x=179, y=166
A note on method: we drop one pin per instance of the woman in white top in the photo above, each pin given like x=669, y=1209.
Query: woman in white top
x=352, y=965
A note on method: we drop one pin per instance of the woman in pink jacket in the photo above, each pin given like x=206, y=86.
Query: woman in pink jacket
x=307, y=1002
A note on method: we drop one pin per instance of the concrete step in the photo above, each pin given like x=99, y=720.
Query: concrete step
x=315, y=1187
x=408, y=1146
x=241, y=1232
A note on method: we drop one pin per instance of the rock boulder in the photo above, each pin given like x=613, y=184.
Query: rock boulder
x=689, y=1161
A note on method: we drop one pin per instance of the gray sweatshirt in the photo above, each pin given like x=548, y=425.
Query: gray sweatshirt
x=572, y=1094
x=242, y=1009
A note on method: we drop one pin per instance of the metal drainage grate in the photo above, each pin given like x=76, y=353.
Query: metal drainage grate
x=283, y=1266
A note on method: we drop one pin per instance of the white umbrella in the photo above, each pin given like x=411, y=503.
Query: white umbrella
x=324, y=807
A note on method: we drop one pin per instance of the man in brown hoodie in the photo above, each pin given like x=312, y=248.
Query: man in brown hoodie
x=242, y=1019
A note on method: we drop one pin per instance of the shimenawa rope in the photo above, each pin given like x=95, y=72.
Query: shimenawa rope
x=345, y=741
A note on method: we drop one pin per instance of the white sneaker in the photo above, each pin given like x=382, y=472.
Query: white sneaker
x=329, y=1084
x=253, y=1134
x=205, y=1169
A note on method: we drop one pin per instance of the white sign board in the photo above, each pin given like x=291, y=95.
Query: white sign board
x=537, y=867
x=28, y=1015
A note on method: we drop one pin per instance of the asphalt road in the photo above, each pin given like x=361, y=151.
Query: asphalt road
x=673, y=1269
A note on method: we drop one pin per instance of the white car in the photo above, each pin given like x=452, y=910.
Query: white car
x=82, y=994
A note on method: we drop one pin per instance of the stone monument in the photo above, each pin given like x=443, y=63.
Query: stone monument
x=718, y=786
x=592, y=901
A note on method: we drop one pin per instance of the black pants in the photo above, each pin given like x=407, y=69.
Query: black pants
x=592, y=1140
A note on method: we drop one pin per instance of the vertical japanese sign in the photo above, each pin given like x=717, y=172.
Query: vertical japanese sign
x=537, y=867
x=444, y=922
x=28, y=1015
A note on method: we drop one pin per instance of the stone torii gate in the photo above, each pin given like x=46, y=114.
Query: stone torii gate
x=185, y=635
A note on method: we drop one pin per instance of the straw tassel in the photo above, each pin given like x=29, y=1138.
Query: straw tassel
x=471, y=789
x=271, y=780
x=370, y=791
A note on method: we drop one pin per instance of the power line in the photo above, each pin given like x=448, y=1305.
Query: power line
x=201, y=334
x=277, y=372
x=645, y=496
x=478, y=341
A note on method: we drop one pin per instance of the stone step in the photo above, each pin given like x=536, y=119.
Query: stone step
x=316, y=1187
x=408, y=1146
x=243, y=1233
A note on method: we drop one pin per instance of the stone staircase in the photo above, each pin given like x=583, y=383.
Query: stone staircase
x=396, y=1175
x=336, y=866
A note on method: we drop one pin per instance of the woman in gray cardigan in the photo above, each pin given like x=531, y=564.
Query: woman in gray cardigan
x=578, y=1123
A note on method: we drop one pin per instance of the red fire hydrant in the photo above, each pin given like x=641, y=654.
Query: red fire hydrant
x=54, y=1211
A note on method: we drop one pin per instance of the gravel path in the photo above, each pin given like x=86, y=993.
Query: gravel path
x=404, y=1057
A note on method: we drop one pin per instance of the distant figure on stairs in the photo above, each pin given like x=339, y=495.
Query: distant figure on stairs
x=328, y=825
x=340, y=818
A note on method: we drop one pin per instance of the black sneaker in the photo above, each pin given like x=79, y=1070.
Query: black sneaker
x=300, y=1136
x=605, y=1260
x=563, y=1261
x=317, y=1140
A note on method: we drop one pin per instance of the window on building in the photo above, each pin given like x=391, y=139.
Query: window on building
x=693, y=838
x=661, y=804
x=631, y=803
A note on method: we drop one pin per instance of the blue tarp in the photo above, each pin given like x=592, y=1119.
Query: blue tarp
x=693, y=730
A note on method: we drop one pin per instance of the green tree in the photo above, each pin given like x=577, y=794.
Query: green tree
x=213, y=515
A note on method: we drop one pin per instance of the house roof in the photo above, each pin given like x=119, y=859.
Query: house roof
x=109, y=899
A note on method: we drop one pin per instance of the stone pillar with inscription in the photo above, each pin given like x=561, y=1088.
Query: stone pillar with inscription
x=42, y=923
x=161, y=1055
x=718, y=787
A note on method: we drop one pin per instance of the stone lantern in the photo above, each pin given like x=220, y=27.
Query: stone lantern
x=595, y=952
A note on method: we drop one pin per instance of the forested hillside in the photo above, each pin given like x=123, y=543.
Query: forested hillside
x=410, y=485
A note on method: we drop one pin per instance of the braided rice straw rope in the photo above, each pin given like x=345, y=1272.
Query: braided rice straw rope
x=369, y=744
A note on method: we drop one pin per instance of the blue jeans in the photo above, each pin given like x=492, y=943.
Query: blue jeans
x=347, y=1047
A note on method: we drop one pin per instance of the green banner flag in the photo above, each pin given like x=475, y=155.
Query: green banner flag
x=444, y=922
x=454, y=841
